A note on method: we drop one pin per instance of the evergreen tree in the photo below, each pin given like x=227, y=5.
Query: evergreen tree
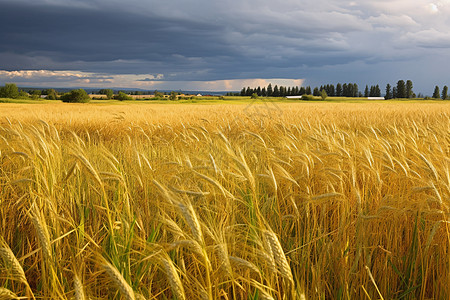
x=388, y=92
x=377, y=91
x=276, y=91
x=356, y=93
x=269, y=90
x=316, y=91
x=366, y=92
x=338, y=90
x=332, y=91
x=282, y=91
x=409, y=87
x=436, y=93
x=394, y=92
x=444, y=92
x=345, y=90
x=264, y=92
x=401, y=89
x=308, y=90
x=302, y=90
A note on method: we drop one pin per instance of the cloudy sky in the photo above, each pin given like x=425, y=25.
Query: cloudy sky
x=224, y=45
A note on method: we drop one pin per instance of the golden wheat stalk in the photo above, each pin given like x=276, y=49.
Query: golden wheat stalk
x=79, y=290
x=116, y=277
x=278, y=255
x=43, y=235
x=6, y=294
x=15, y=268
x=174, y=279
x=191, y=219
x=240, y=263
x=10, y=261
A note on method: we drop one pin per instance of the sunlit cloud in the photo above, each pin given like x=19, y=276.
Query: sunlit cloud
x=223, y=85
x=150, y=81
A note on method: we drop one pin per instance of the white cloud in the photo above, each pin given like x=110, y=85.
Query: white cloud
x=74, y=78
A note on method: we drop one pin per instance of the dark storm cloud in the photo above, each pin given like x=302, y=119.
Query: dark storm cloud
x=180, y=42
x=97, y=35
x=320, y=40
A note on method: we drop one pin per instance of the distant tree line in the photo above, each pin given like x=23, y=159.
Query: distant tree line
x=403, y=89
x=340, y=90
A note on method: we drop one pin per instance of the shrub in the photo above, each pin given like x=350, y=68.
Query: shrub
x=23, y=95
x=122, y=96
x=36, y=95
x=323, y=95
x=158, y=95
x=308, y=97
x=10, y=90
x=108, y=92
x=173, y=96
x=76, y=96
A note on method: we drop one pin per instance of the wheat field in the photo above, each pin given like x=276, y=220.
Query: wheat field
x=251, y=201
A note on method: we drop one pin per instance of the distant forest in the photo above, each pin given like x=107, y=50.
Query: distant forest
x=401, y=90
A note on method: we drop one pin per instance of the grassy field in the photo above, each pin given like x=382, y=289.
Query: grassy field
x=234, y=201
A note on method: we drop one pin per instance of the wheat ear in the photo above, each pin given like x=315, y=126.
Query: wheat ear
x=6, y=294
x=174, y=279
x=119, y=281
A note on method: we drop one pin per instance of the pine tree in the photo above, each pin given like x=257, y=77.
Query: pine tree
x=436, y=93
x=316, y=91
x=308, y=90
x=302, y=90
x=269, y=90
x=338, y=90
x=401, y=89
x=344, y=90
x=366, y=92
x=276, y=91
x=355, y=91
x=444, y=92
x=332, y=91
x=409, y=87
x=388, y=92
